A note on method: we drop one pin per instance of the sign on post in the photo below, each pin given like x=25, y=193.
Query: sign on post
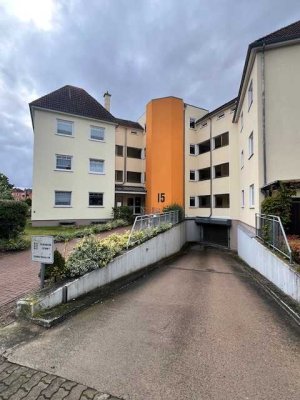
x=42, y=249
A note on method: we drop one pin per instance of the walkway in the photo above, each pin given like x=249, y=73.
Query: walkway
x=19, y=275
x=197, y=328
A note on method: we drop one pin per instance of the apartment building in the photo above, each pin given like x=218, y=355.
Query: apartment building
x=219, y=165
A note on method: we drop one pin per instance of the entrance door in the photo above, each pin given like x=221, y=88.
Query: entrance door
x=216, y=234
x=135, y=204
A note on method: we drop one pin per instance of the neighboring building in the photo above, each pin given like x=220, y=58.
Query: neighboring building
x=218, y=165
x=21, y=194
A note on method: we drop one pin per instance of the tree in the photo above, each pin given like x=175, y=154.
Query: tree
x=5, y=188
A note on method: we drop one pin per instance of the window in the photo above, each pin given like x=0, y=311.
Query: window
x=222, y=200
x=243, y=199
x=192, y=149
x=251, y=196
x=221, y=140
x=250, y=145
x=192, y=123
x=250, y=95
x=204, y=174
x=134, y=177
x=242, y=121
x=95, y=199
x=97, y=133
x=134, y=152
x=203, y=125
x=204, y=147
x=62, y=198
x=221, y=115
x=96, y=166
x=119, y=176
x=64, y=127
x=119, y=150
x=192, y=201
x=204, y=201
x=134, y=132
x=63, y=162
x=221, y=170
x=242, y=159
x=192, y=175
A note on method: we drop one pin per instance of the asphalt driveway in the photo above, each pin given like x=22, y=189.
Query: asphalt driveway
x=198, y=328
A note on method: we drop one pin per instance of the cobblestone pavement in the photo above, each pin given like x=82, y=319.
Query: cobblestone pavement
x=22, y=383
x=19, y=274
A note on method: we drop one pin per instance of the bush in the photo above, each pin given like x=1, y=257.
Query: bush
x=12, y=218
x=92, y=253
x=294, y=242
x=15, y=244
x=123, y=212
x=175, y=207
x=57, y=270
x=280, y=204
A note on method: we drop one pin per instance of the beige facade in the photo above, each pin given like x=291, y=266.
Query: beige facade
x=78, y=180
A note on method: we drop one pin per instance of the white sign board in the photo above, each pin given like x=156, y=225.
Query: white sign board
x=42, y=248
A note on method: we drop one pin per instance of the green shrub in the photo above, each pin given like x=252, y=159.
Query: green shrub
x=123, y=212
x=175, y=207
x=280, y=204
x=15, y=244
x=12, y=218
x=92, y=253
x=57, y=270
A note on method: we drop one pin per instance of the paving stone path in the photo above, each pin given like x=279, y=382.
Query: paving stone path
x=22, y=383
x=19, y=274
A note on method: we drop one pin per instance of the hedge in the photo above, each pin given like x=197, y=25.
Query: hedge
x=12, y=218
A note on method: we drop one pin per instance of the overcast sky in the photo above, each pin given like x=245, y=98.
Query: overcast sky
x=136, y=49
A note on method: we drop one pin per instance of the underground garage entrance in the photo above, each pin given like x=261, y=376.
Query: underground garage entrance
x=214, y=231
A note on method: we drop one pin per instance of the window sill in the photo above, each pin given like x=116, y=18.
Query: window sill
x=251, y=156
x=192, y=180
x=96, y=173
x=61, y=134
x=96, y=207
x=62, y=206
x=97, y=140
x=251, y=207
x=193, y=155
x=63, y=170
x=193, y=207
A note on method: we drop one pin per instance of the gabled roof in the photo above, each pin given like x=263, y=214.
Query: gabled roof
x=73, y=100
x=130, y=124
x=290, y=32
x=213, y=112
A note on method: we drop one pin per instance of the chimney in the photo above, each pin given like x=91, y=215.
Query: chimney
x=107, y=97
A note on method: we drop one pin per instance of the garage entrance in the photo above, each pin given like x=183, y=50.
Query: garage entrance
x=214, y=231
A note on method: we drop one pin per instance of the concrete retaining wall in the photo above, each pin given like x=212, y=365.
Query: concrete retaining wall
x=150, y=252
x=268, y=264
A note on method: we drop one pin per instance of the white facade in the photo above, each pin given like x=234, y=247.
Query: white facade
x=80, y=180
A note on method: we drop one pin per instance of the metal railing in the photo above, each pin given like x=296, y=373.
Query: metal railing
x=269, y=229
x=144, y=222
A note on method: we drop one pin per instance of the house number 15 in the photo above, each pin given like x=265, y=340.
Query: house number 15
x=161, y=197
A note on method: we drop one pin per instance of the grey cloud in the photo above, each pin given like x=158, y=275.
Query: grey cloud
x=137, y=50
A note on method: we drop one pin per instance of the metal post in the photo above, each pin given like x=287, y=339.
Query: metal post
x=42, y=274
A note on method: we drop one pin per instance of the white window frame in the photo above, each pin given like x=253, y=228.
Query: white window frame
x=62, y=205
x=195, y=172
x=99, y=128
x=63, y=169
x=251, y=196
x=250, y=94
x=193, y=197
x=250, y=145
x=68, y=122
x=192, y=120
x=96, y=206
x=195, y=147
x=242, y=159
x=96, y=172
x=243, y=199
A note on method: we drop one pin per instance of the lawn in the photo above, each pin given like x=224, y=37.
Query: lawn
x=49, y=230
